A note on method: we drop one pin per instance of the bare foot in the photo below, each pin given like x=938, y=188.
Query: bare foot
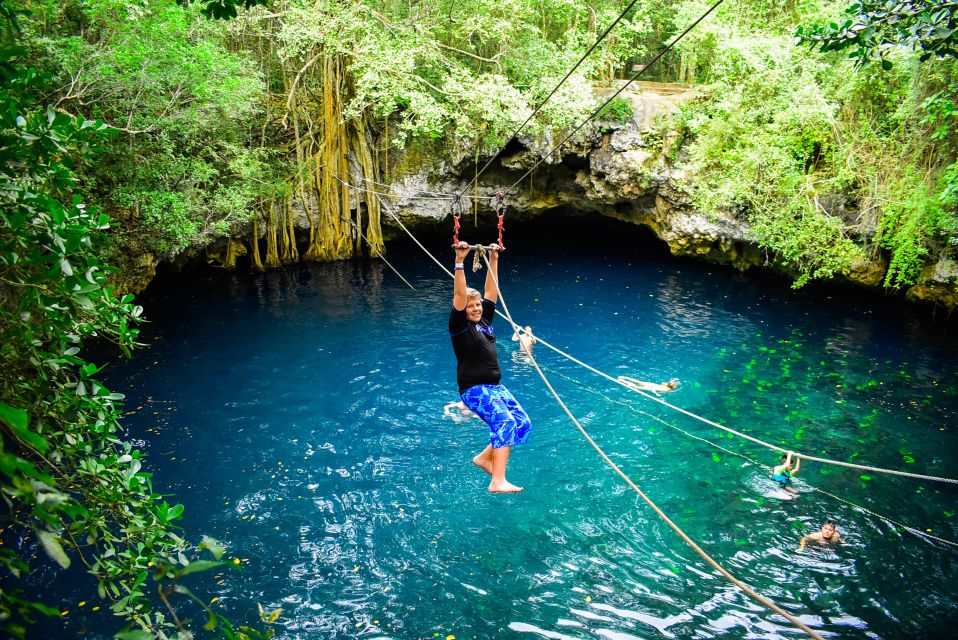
x=484, y=463
x=504, y=487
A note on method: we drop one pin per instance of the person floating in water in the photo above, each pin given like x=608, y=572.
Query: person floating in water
x=478, y=373
x=782, y=473
x=641, y=385
x=457, y=411
x=828, y=536
x=525, y=339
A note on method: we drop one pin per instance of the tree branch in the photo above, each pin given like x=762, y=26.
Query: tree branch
x=132, y=132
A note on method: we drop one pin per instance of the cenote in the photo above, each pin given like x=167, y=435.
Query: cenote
x=297, y=415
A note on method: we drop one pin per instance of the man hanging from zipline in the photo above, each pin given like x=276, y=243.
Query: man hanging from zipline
x=477, y=371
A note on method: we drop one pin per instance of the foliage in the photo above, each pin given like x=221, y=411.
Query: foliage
x=472, y=70
x=759, y=140
x=619, y=110
x=826, y=160
x=70, y=485
x=164, y=77
x=223, y=9
x=872, y=28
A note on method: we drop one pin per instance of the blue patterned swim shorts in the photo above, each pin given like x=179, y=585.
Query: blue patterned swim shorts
x=508, y=423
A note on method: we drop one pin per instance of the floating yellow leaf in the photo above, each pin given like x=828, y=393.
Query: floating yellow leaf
x=588, y=598
x=450, y=637
x=213, y=600
x=82, y=603
x=97, y=608
x=356, y=569
x=64, y=613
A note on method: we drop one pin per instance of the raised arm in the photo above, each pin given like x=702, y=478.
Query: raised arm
x=798, y=464
x=459, y=282
x=492, y=276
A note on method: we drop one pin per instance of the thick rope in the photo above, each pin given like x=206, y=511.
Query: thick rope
x=631, y=408
x=695, y=547
x=851, y=465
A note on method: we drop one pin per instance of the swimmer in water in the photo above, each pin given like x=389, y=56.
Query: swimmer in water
x=458, y=411
x=782, y=473
x=655, y=388
x=525, y=339
x=828, y=536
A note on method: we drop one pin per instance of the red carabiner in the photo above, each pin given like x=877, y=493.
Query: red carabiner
x=456, y=210
x=500, y=213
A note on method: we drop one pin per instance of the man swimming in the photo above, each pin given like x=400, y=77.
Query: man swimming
x=828, y=536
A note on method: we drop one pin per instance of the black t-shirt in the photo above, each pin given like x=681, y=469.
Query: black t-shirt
x=475, y=346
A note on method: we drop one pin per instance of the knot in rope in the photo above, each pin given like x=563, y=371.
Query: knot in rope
x=477, y=257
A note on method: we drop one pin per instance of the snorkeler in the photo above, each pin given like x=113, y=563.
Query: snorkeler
x=640, y=385
x=782, y=473
x=828, y=536
x=478, y=373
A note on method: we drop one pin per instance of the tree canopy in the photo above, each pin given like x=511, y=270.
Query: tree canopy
x=138, y=131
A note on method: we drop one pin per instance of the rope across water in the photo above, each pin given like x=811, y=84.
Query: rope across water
x=768, y=445
x=909, y=529
x=758, y=441
x=695, y=547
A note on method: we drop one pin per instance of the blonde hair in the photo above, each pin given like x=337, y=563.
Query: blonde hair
x=472, y=293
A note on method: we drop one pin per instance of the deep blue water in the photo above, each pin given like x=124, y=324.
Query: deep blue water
x=298, y=417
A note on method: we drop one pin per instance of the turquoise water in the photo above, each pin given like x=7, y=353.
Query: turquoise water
x=298, y=416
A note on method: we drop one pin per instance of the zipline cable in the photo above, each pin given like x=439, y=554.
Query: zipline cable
x=840, y=463
x=755, y=440
x=695, y=547
x=552, y=93
x=615, y=95
x=378, y=252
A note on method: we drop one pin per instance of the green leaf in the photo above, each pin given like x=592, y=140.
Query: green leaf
x=18, y=420
x=213, y=546
x=13, y=416
x=211, y=622
x=137, y=634
x=51, y=544
x=200, y=565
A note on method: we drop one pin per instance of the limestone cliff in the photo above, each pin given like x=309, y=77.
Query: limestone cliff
x=629, y=172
